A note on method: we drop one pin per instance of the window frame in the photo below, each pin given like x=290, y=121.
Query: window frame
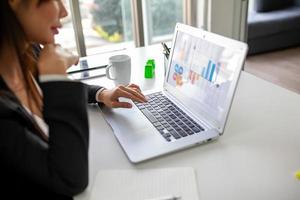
x=141, y=31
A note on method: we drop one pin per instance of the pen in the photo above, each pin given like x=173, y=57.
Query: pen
x=167, y=198
x=166, y=48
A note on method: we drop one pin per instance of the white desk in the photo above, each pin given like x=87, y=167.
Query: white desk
x=255, y=159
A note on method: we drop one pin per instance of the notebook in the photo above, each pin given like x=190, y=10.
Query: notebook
x=193, y=105
x=144, y=184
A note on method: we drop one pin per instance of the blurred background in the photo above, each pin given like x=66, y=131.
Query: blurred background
x=270, y=27
x=108, y=24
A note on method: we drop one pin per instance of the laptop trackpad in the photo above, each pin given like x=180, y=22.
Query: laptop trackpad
x=130, y=122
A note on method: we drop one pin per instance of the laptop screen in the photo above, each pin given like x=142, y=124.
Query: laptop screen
x=203, y=71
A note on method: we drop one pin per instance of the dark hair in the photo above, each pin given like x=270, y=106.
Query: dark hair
x=12, y=34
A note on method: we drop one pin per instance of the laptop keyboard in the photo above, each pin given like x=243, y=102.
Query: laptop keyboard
x=171, y=122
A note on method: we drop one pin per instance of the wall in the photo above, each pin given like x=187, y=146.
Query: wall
x=227, y=17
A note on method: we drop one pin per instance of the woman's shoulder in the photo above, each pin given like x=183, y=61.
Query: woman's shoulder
x=10, y=107
x=7, y=100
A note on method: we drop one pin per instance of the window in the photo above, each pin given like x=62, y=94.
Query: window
x=66, y=36
x=107, y=24
x=160, y=19
x=96, y=26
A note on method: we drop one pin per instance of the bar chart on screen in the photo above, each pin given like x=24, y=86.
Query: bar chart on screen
x=202, y=71
x=210, y=72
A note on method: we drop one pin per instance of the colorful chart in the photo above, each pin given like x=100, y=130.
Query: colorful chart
x=202, y=71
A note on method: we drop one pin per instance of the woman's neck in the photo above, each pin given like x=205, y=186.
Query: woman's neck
x=10, y=70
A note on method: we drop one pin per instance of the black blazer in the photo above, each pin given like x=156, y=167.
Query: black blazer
x=31, y=168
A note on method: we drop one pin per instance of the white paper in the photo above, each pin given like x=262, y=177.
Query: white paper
x=142, y=184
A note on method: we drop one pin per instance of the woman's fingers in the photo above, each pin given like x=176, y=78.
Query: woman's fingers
x=135, y=90
x=132, y=94
x=117, y=104
x=111, y=97
x=74, y=60
x=123, y=93
x=70, y=58
x=54, y=59
x=134, y=86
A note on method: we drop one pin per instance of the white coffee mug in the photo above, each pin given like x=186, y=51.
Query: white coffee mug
x=119, y=69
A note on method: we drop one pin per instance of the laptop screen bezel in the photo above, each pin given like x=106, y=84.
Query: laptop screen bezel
x=186, y=101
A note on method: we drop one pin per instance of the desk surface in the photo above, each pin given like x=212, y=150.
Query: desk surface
x=255, y=158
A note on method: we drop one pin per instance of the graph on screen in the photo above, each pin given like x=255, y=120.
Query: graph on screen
x=203, y=71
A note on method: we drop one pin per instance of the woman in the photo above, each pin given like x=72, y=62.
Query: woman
x=43, y=117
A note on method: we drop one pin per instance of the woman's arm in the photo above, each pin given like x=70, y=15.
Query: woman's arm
x=92, y=93
x=62, y=164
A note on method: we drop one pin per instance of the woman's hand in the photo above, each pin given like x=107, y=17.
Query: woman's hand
x=55, y=60
x=111, y=97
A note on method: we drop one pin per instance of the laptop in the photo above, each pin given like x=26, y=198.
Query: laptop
x=193, y=105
